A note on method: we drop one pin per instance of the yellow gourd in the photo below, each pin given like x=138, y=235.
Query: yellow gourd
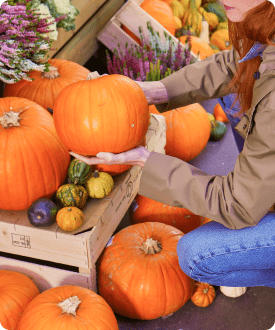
x=220, y=38
x=222, y=25
x=211, y=18
x=192, y=18
x=178, y=23
x=99, y=185
x=177, y=8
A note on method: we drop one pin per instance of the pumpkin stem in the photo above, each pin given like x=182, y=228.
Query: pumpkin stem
x=10, y=119
x=96, y=174
x=93, y=75
x=52, y=74
x=69, y=305
x=205, y=290
x=151, y=246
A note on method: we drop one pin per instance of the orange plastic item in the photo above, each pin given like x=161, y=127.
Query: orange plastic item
x=219, y=114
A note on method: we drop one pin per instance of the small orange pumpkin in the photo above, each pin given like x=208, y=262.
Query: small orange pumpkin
x=46, y=86
x=153, y=109
x=16, y=292
x=188, y=131
x=219, y=114
x=147, y=210
x=68, y=307
x=203, y=295
x=198, y=45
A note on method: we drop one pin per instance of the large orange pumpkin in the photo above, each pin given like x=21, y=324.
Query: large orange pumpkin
x=161, y=12
x=33, y=160
x=47, y=85
x=147, y=210
x=198, y=45
x=109, y=113
x=16, y=292
x=187, y=131
x=68, y=307
x=139, y=274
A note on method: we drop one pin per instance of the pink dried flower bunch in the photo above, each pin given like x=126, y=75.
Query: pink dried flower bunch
x=22, y=47
x=150, y=64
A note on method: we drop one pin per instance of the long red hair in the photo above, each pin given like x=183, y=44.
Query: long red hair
x=258, y=25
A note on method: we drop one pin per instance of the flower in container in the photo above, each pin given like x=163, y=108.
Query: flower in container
x=143, y=63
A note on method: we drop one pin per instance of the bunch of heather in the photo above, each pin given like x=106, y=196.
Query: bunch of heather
x=142, y=63
x=23, y=44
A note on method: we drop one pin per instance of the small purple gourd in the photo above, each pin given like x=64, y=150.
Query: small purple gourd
x=42, y=212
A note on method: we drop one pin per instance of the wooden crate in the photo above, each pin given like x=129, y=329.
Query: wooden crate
x=82, y=247
x=132, y=16
x=80, y=44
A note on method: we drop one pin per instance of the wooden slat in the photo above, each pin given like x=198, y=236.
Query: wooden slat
x=87, y=8
x=83, y=44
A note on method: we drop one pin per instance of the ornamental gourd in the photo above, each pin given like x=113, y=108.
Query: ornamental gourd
x=33, y=160
x=147, y=210
x=68, y=307
x=188, y=131
x=109, y=113
x=71, y=195
x=46, y=86
x=99, y=185
x=139, y=274
x=16, y=292
x=220, y=39
x=69, y=218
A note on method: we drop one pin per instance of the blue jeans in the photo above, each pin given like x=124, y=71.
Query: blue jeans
x=221, y=256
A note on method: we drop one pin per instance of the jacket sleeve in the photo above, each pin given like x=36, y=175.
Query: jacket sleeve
x=200, y=81
x=237, y=200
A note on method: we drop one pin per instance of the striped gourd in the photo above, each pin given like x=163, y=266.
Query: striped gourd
x=71, y=195
x=79, y=172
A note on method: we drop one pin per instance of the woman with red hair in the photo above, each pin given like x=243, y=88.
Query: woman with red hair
x=236, y=249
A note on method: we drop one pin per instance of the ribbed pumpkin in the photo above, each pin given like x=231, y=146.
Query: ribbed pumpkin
x=188, y=131
x=33, y=160
x=47, y=85
x=70, y=218
x=198, y=45
x=203, y=295
x=109, y=113
x=68, y=307
x=220, y=39
x=16, y=292
x=139, y=274
x=161, y=12
x=147, y=210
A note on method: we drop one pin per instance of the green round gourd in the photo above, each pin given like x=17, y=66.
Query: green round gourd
x=99, y=185
x=71, y=195
x=79, y=172
x=184, y=32
x=217, y=131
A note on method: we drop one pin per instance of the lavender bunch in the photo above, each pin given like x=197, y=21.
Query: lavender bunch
x=22, y=47
x=150, y=64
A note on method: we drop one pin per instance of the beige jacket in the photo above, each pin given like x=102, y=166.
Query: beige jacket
x=246, y=194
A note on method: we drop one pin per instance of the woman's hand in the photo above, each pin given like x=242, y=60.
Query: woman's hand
x=136, y=156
